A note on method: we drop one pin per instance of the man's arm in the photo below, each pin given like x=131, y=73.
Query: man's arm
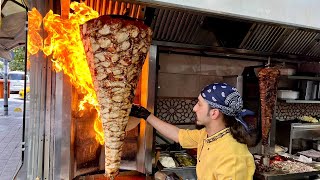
x=168, y=130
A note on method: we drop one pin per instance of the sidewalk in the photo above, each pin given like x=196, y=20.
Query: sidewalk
x=10, y=138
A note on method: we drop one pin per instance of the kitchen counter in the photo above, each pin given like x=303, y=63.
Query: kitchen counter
x=126, y=175
x=281, y=176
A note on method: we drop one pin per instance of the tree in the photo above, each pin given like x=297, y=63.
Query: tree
x=1, y=66
x=17, y=64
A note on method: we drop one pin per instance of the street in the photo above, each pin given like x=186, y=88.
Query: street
x=10, y=137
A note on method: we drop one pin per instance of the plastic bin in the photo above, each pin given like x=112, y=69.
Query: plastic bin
x=2, y=87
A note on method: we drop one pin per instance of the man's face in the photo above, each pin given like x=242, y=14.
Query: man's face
x=201, y=109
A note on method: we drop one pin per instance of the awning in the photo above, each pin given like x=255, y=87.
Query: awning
x=12, y=31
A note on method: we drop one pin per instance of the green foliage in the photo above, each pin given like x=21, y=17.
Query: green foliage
x=17, y=64
x=1, y=66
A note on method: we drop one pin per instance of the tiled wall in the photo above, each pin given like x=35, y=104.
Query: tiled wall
x=181, y=77
x=289, y=111
x=179, y=110
x=176, y=110
x=185, y=76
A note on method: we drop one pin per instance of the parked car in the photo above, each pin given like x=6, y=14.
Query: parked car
x=17, y=80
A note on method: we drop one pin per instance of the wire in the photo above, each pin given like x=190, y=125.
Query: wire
x=26, y=5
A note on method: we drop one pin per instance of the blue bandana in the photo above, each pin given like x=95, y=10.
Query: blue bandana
x=228, y=100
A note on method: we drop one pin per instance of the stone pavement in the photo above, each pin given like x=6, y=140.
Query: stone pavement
x=10, y=138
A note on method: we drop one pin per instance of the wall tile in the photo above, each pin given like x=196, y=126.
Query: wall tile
x=179, y=110
x=176, y=110
x=178, y=85
x=205, y=80
x=290, y=111
x=182, y=64
x=223, y=67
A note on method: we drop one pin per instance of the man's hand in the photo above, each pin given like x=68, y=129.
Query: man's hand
x=139, y=112
x=168, y=130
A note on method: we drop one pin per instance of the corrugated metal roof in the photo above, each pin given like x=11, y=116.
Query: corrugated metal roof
x=297, y=42
x=176, y=26
x=315, y=50
x=186, y=27
x=107, y=7
x=261, y=37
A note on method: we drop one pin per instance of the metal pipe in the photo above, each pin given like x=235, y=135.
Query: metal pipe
x=5, y=102
x=24, y=91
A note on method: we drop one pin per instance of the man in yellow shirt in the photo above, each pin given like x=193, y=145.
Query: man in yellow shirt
x=222, y=151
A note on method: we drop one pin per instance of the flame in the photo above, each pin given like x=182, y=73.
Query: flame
x=64, y=44
x=34, y=38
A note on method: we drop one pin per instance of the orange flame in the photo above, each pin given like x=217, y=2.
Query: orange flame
x=65, y=45
x=34, y=38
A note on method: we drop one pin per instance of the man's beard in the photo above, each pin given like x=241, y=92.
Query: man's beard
x=197, y=122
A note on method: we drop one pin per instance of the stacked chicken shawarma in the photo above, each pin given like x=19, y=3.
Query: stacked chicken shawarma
x=116, y=50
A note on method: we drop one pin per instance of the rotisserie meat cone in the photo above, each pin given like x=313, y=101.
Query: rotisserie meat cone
x=116, y=50
x=268, y=84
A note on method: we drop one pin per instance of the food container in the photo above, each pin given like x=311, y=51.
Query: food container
x=316, y=145
x=288, y=94
x=306, y=89
x=186, y=172
x=185, y=160
x=287, y=71
x=166, y=161
x=311, y=153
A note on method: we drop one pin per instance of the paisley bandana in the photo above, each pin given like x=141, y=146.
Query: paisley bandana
x=228, y=100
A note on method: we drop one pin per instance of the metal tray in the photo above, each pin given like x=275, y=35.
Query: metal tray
x=174, y=155
x=280, y=175
x=161, y=166
x=180, y=158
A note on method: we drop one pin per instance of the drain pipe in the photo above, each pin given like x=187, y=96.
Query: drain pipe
x=5, y=88
x=25, y=87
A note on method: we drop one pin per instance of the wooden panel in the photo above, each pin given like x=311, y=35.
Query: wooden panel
x=65, y=9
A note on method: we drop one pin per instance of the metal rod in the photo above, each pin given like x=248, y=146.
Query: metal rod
x=17, y=3
x=24, y=91
x=5, y=104
x=3, y=4
x=9, y=38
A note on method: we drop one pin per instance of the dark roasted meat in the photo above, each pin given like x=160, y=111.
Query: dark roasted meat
x=268, y=83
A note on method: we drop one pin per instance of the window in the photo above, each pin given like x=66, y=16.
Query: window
x=16, y=76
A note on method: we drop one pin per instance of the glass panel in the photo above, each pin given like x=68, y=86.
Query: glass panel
x=13, y=76
x=12, y=112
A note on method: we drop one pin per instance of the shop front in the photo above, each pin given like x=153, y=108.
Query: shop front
x=193, y=44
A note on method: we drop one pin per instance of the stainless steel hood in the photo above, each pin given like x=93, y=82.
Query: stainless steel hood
x=186, y=29
x=210, y=32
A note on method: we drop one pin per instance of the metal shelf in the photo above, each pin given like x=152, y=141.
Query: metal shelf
x=304, y=78
x=303, y=101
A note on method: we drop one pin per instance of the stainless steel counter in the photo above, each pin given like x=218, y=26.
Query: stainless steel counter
x=186, y=172
x=287, y=132
x=279, y=176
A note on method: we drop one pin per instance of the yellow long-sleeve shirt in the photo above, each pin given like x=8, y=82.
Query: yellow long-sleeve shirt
x=224, y=158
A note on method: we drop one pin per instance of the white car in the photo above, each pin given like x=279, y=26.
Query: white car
x=17, y=80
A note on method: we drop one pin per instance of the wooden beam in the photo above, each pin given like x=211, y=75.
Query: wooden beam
x=65, y=9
